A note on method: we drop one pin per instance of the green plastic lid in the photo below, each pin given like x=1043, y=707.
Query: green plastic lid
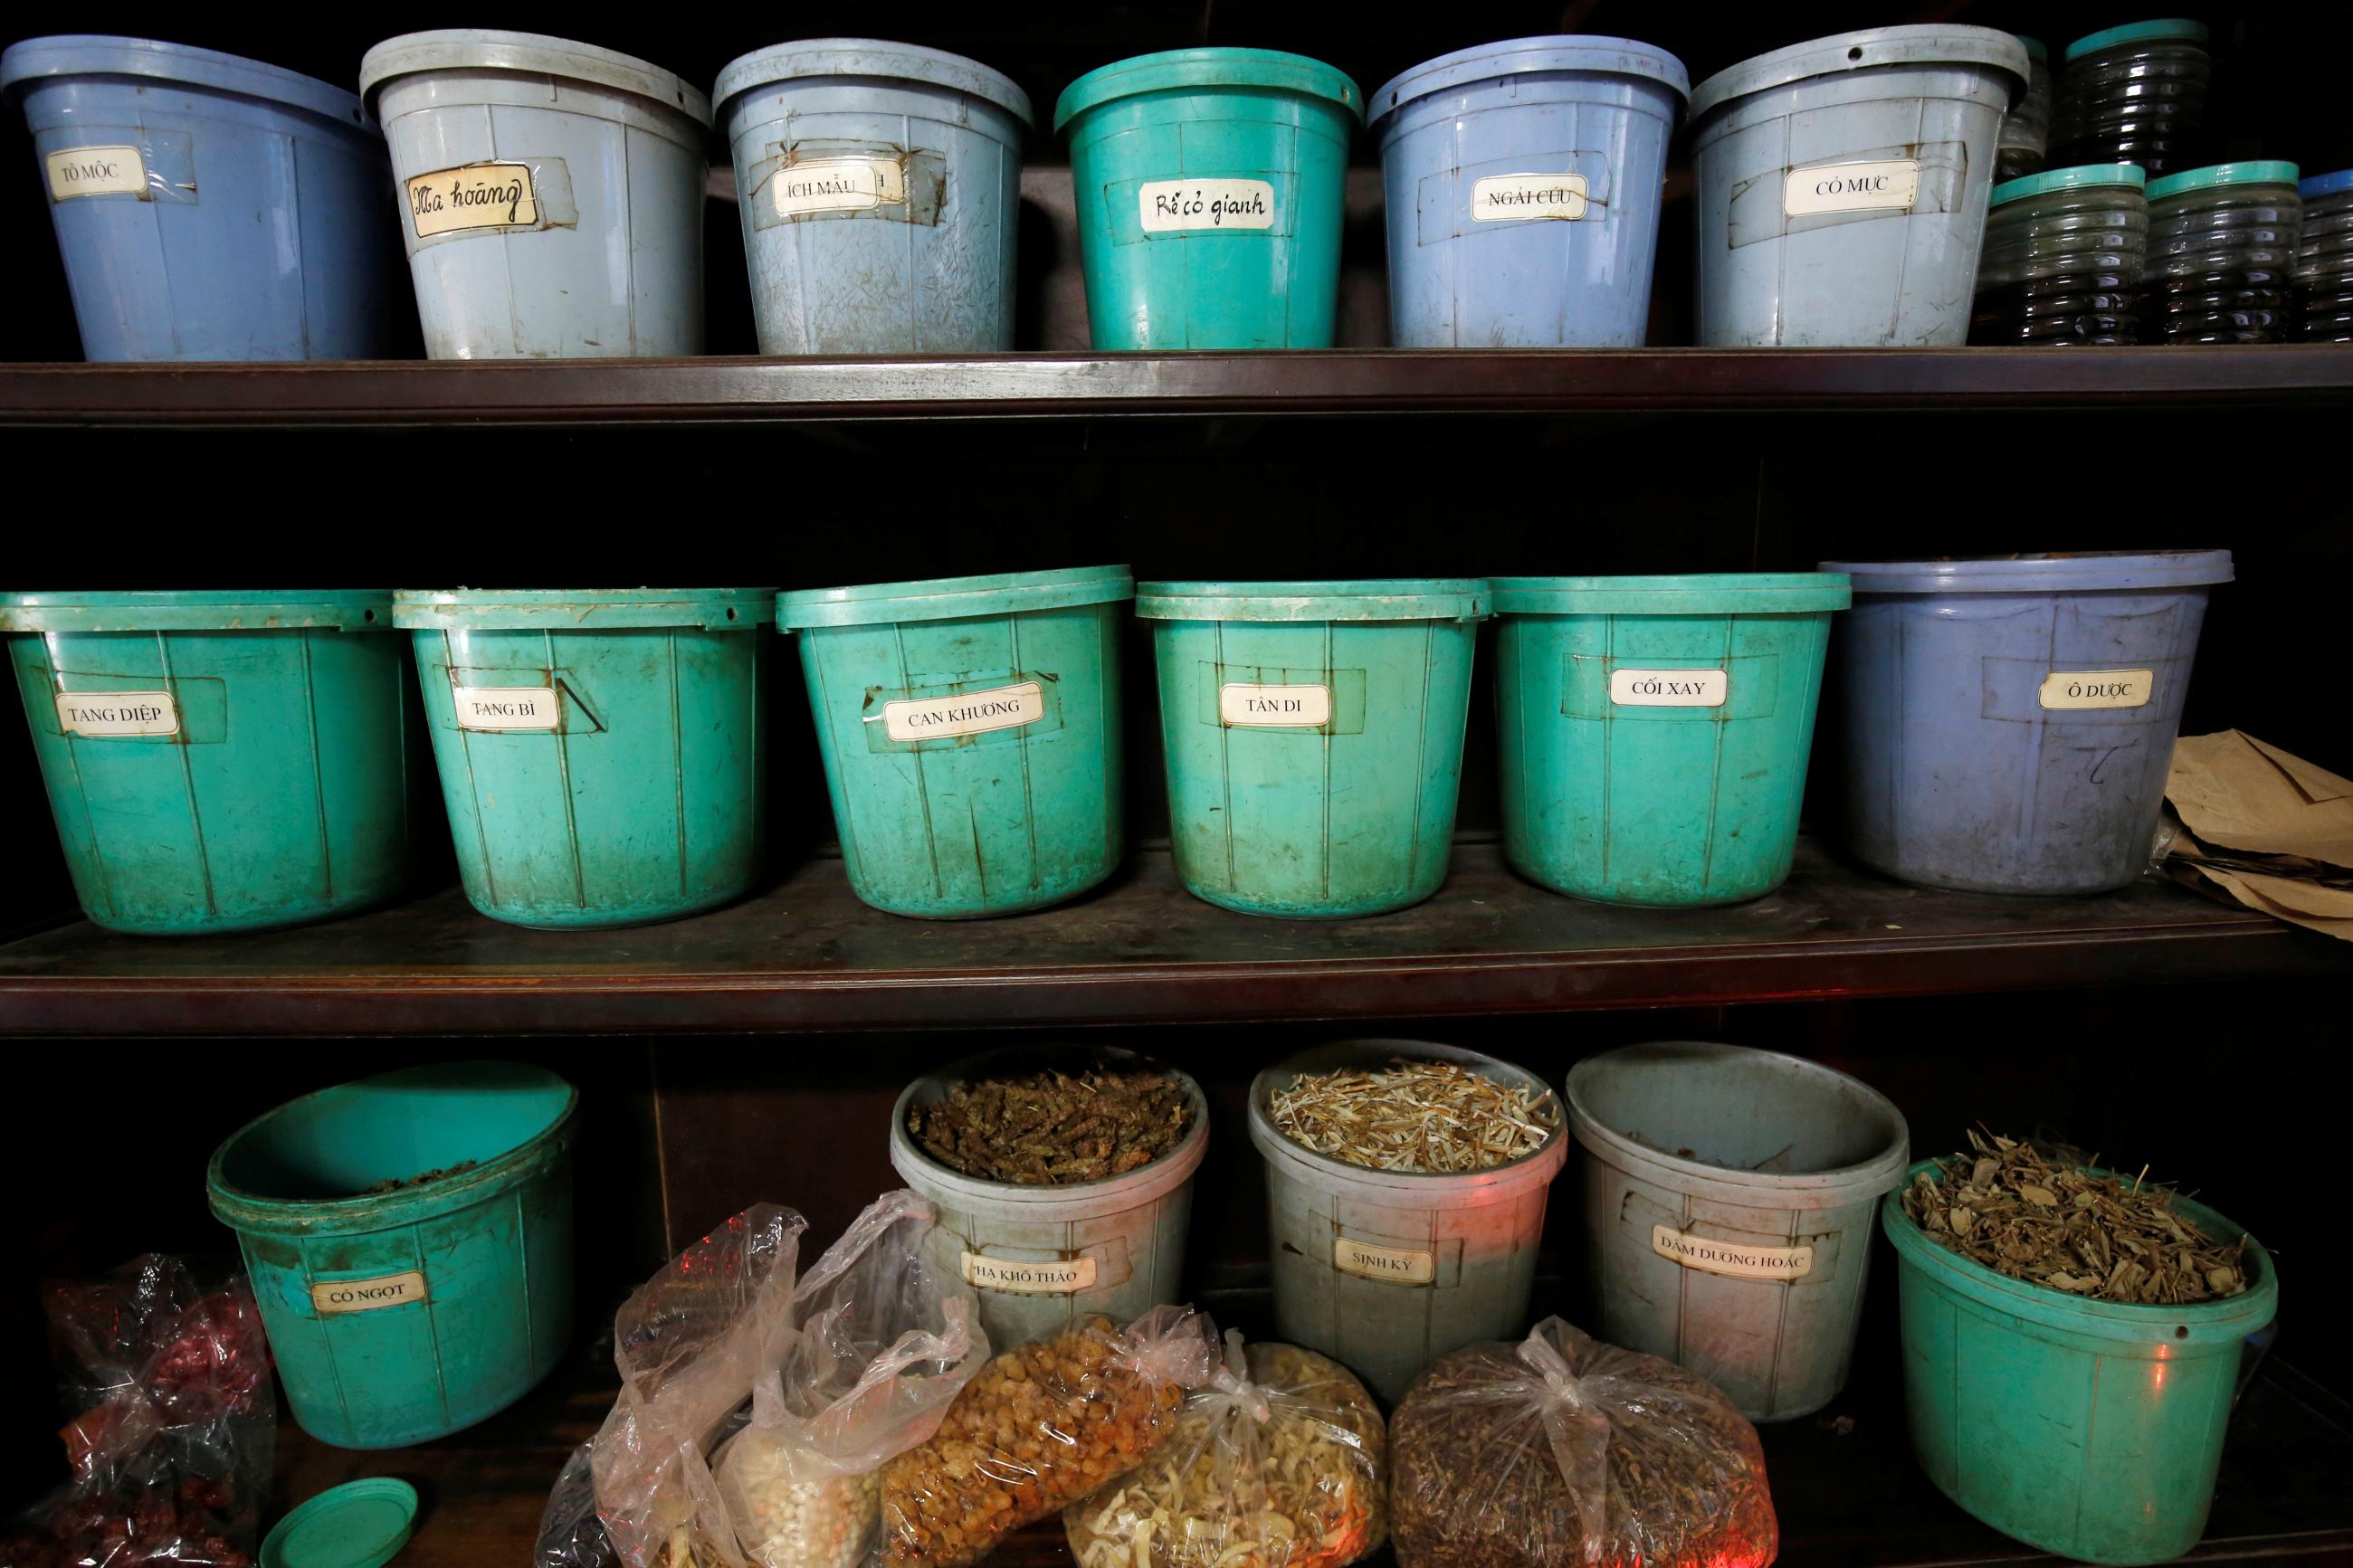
x=2081, y=176
x=360, y=1524
x=954, y=598
x=1268, y=70
x=2263, y=172
x=2035, y=47
x=199, y=610
x=2181, y=27
x=1354, y=599
x=582, y=609
x=1708, y=594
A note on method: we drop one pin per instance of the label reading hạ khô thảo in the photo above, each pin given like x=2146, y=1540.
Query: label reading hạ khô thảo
x=1055, y=1276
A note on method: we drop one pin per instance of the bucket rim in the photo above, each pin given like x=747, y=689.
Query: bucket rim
x=1329, y=1175
x=1718, y=593
x=1589, y=53
x=954, y=598
x=196, y=610
x=2057, y=573
x=1337, y=599
x=533, y=54
x=2251, y=171
x=108, y=54
x=581, y=609
x=2183, y=29
x=870, y=58
x=1868, y=48
x=1274, y=70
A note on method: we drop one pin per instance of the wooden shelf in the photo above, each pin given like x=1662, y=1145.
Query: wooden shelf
x=805, y=954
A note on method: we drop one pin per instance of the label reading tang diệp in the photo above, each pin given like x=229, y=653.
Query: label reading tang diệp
x=106, y=714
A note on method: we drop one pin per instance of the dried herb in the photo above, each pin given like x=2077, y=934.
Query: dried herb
x=402, y=1184
x=1052, y=1129
x=2105, y=1237
x=1415, y=1116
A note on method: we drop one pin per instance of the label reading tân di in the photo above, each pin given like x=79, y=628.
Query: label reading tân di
x=1056, y=1276
x=839, y=186
x=477, y=195
x=97, y=172
x=101, y=714
x=1516, y=198
x=1741, y=1259
x=1171, y=206
x=973, y=713
x=2072, y=689
x=369, y=1295
x=1669, y=688
x=1891, y=185
x=498, y=709
x=1253, y=705
x=1397, y=1264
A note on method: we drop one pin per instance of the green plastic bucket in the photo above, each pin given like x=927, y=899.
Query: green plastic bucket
x=1314, y=738
x=1210, y=186
x=1653, y=730
x=219, y=761
x=970, y=728
x=603, y=750
x=401, y=1315
x=2092, y=1429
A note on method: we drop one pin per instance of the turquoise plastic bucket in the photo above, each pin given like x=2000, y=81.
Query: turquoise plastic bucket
x=1653, y=730
x=1314, y=738
x=603, y=750
x=2093, y=1429
x=402, y=1315
x=219, y=761
x=1210, y=186
x=970, y=728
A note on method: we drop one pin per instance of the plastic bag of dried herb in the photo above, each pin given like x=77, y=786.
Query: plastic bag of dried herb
x=1561, y=1450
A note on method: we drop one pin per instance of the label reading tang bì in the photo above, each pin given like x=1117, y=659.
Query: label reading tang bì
x=1397, y=1264
x=477, y=195
x=1741, y=1259
x=1171, y=206
x=973, y=713
x=498, y=709
x=1516, y=198
x=101, y=714
x=1274, y=707
x=2073, y=689
x=839, y=185
x=1891, y=185
x=1057, y=1276
x=97, y=172
x=369, y=1295
x=1669, y=688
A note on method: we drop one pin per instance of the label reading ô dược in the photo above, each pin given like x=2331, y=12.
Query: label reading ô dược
x=1669, y=688
x=2076, y=690
x=331, y=1296
x=1253, y=706
x=838, y=185
x=97, y=172
x=971, y=713
x=1173, y=206
x=495, y=710
x=1393, y=1265
x=1517, y=199
x=1056, y=1276
x=1740, y=1259
x=477, y=196
x=106, y=714
x=1890, y=185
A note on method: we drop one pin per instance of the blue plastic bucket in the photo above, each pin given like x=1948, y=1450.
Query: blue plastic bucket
x=210, y=207
x=1524, y=183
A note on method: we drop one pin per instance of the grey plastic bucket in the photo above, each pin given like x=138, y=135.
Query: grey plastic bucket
x=1730, y=1196
x=1388, y=1270
x=1842, y=186
x=1040, y=1258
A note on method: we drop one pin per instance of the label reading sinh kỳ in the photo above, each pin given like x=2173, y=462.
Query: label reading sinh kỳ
x=1255, y=706
x=330, y=1296
x=107, y=714
x=2071, y=691
x=97, y=172
x=495, y=710
x=1887, y=184
x=1740, y=1259
x=1055, y=1276
x=1669, y=688
x=1395, y=1265
x=477, y=195
x=969, y=714
x=1172, y=206
x=1516, y=198
x=838, y=185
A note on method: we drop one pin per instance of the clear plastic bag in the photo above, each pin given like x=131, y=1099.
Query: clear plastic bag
x=1042, y=1425
x=1561, y=1450
x=882, y=1345
x=1276, y=1462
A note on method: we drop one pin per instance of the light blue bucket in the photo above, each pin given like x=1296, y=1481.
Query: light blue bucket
x=1524, y=183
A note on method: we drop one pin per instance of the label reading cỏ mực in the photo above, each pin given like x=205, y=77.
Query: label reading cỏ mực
x=1887, y=184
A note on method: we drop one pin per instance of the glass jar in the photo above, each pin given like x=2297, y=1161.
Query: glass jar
x=2323, y=267
x=2024, y=144
x=2063, y=260
x=2135, y=94
x=2223, y=253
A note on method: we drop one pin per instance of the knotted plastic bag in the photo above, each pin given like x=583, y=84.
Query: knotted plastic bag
x=1278, y=1461
x=1562, y=1451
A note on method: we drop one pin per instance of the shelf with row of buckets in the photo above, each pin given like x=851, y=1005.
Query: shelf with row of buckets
x=549, y=194
x=218, y=760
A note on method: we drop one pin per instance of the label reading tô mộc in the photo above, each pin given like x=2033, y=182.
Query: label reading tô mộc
x=95, y=172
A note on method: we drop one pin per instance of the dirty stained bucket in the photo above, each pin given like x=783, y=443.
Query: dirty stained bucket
x=1524, y=183
x=2090, y=1429
x=2009, y=721
x=1728, y=1200
x=209, y=207
x=879, y=186
x=219, y=761
x=1210, y=185
x=1313, y=733
x=603, y=750
x=1653, y=732
x=1842, y=186
x=409, y=1240
x=1388, y=1270
x=1040, y=1258
x=550, y=194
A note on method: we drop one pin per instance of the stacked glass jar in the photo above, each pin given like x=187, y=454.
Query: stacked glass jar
x=2223, y=254
x=2064, y=257
x=2135, y=94
x=2324, y=268
x=2023, y=146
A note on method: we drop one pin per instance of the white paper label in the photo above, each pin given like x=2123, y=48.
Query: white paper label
x=839, y=186
x=479, y=196
x=2080, y=689
x=1059, y=1277
x=1741, y=1259
x=369, y=1295
x=101, y=713
x=1669, y=688
x=1397, y=1264
x=1515, y=198
x=95, y=172
x=1891, y=186
x=497, y=709
x=974, y=713
x=1169, y=206
x=1275, y=707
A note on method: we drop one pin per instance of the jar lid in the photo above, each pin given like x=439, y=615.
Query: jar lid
x=2035, y=47
x=85, y=54
x=360, y=1524
x=2081, y=571
x=1528, y=57
x=199, y=610
x=2325, y=184
x=533, y=54
x=871, y=57
x=1921, y=44
x=1353, y=599
x=1175, y=69
x=582, y=609
x=954, y=598
x=2263, y=172
x=1680, y=593
x=2181, y=27
x=2128, y=175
